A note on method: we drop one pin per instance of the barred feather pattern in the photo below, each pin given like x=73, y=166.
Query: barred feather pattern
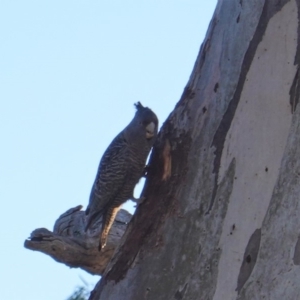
x=120, y=169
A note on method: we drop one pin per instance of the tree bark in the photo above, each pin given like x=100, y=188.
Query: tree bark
x=71, y=245
x=221, y=218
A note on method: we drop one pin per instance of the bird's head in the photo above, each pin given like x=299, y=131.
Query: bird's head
x=143, y=127
x=146, y=120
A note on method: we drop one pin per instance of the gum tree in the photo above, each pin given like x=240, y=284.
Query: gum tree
x=221, y=218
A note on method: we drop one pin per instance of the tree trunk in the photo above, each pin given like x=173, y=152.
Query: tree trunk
x=221, y=218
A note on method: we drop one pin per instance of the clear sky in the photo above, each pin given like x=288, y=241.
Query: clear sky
x=70, y=72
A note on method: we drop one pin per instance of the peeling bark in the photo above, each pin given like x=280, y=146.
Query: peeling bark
x=221, y=218
x=249, y=259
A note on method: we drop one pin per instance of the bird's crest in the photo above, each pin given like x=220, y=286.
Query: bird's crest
x=138, y=106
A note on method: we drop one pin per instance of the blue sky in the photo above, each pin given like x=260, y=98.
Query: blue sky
x=70, y=72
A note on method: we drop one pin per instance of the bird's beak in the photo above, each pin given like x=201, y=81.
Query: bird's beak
x=150, y=129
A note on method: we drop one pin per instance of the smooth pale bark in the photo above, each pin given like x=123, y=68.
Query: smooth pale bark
x=221, y=218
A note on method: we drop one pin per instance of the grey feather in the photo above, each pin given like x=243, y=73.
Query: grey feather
x=120, y=169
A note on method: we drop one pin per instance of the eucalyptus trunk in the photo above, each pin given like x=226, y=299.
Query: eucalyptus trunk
x=221, y=218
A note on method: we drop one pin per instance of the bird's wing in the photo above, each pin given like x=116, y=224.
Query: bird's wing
x=110, y=177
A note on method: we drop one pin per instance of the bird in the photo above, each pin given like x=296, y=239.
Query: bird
x=120, y=169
